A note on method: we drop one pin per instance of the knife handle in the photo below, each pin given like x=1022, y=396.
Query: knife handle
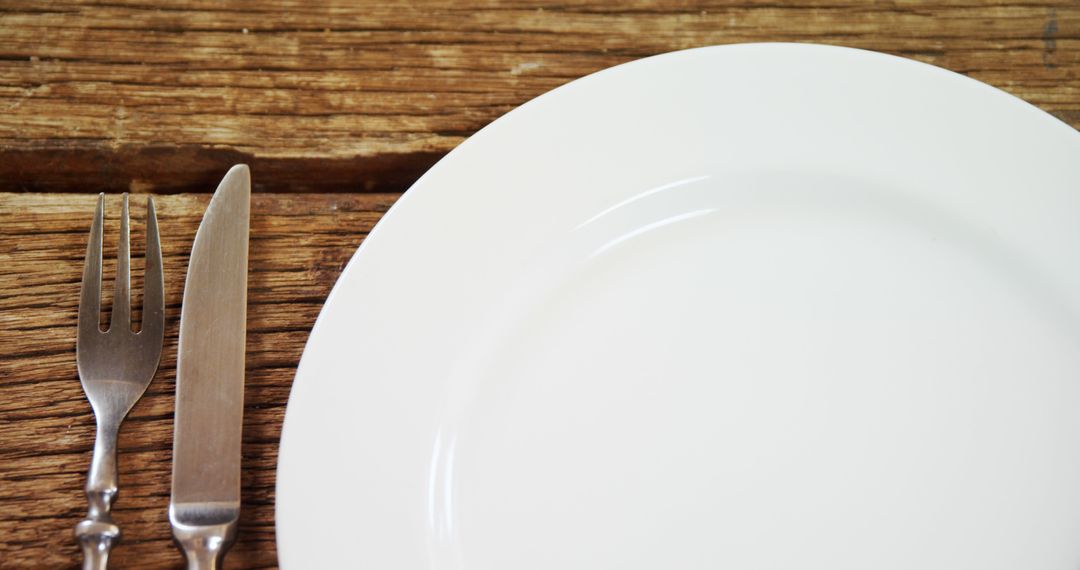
x=97, y=532
x=204, y=546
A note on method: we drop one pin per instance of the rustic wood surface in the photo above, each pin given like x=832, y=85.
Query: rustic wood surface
x=345, y=96
x=341, y=100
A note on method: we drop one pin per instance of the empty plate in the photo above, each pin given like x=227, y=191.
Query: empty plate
x=752, y=306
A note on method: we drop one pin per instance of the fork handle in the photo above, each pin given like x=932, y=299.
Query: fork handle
x=97, y=532
x=96, y=539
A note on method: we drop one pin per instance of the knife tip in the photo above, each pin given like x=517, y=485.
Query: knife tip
x=237, y=178
x=241, y=172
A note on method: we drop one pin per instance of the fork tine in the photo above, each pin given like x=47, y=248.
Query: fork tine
x=153, y=312
x=90, y=298
x=121, y=310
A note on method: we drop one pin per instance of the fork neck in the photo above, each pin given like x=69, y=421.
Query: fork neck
x=101, y=484
x=97, y=532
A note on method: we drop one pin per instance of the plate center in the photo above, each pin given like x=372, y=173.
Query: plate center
x=774, y=370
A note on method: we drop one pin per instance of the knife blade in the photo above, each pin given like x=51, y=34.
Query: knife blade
x=205, y=502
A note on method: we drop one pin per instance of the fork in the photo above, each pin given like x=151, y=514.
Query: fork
x=115, y=367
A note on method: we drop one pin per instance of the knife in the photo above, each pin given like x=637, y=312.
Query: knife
x=205, y=503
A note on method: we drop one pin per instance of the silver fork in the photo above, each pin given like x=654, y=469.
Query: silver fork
x=115, y=366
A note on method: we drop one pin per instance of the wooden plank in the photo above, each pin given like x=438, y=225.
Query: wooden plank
x=299, y=244
x=351, y=96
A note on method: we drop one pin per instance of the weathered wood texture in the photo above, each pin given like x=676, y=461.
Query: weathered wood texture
x=355, y=96
x=324, y=97
x=299, y=243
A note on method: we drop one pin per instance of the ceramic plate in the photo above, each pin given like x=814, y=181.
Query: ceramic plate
x=752, y=306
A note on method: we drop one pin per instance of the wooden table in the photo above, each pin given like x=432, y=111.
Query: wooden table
x=337, y=107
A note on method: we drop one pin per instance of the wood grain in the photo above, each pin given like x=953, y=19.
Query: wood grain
x=347, y=101
x=299, y=244
x=363, y=96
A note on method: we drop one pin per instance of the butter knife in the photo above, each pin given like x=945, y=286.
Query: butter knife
x=205, y=503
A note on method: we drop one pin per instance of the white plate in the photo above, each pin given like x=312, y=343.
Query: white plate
x=754, y=306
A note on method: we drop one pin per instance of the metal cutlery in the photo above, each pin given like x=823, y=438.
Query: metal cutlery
x=115, y=367
x=205, y=503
